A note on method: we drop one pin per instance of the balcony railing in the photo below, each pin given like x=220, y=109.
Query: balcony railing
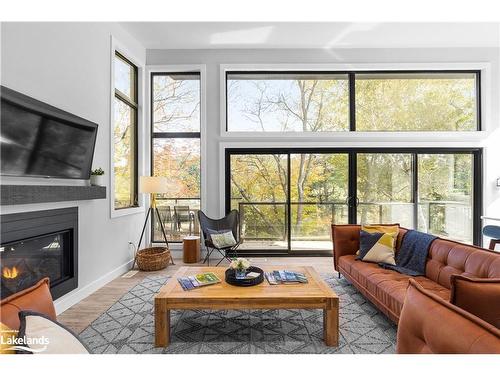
x=267, y=222
x=264, y=221
x=179, y=216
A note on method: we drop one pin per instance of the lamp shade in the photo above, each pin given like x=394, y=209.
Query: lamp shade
x=153, y=184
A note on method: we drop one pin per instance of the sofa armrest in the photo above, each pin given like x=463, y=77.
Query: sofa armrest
x=429, y=324
x=36, y=298
x=345, y=241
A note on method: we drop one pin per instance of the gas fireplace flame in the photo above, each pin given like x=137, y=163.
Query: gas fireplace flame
x=10, y=273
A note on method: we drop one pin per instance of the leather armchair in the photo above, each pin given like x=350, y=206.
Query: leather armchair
x=36, y=298
x=427, y=322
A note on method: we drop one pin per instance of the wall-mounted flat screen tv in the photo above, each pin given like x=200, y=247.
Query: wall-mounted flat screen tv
x=39, y=140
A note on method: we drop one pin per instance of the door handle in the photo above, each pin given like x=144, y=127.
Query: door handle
x=348, y=201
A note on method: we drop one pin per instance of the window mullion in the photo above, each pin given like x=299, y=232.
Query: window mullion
x=176, y=135
x=352, y=102
x=119, y=95
x=415, y=189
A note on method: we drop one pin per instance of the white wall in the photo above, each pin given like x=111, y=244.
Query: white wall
x=213, y=58
x=67, y=65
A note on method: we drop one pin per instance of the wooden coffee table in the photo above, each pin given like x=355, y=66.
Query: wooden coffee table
x=316, y=294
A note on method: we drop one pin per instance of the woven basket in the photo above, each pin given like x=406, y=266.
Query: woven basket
x=153, y=258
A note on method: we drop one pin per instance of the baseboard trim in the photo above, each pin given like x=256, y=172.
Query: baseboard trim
x=72, y=298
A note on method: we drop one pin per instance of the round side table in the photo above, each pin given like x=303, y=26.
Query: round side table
x=191, y=249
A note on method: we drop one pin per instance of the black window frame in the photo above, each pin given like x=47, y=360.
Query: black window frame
x=135, y=106
x=352, y=93
x=477, y=186
x=170, y=135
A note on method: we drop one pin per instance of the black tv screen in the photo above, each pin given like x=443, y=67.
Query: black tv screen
x=39, y=140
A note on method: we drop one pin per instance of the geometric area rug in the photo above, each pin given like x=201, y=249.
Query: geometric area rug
x=128, y=327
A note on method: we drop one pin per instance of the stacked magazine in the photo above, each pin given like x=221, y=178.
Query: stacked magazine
x=284, y=276
x=199, y=280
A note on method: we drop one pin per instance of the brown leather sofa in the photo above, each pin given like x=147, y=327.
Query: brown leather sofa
x=387, y=289
x=429, y=324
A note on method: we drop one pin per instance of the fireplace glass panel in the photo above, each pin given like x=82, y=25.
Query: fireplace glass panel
x=24, y=263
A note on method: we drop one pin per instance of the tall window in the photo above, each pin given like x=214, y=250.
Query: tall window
x=125, y=133
x=352, y=101
x=176, y=150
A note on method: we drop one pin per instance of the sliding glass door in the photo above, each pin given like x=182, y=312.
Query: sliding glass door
x=446, y=195
x=318, y=197
x=384, y=188
x=259, y=190
x=287, y=202
x=288, y=198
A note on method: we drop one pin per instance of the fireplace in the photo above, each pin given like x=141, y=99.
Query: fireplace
x=36, y=245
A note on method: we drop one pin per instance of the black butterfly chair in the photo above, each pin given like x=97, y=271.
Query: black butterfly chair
x=229, y=222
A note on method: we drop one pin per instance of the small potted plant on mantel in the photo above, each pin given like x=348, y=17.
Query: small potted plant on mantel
x=97, y=177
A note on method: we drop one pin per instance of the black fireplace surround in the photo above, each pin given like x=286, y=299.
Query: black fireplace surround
x=39, y=244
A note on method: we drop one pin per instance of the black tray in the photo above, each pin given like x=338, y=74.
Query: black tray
x=231, y=279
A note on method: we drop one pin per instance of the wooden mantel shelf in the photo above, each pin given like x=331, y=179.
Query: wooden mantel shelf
x=28, y=194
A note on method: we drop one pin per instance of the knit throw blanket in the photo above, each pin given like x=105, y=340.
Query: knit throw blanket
x=412, y=255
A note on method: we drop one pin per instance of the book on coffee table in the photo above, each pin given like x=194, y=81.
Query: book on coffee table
x=284, y=277
x=199, y=280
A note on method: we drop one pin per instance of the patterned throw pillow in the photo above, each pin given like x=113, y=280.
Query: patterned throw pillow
x=222, y=239
x=378, y=243
x=380, y=228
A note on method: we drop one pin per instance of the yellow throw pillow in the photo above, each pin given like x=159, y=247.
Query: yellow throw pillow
x=7, y=337
x=389, y=229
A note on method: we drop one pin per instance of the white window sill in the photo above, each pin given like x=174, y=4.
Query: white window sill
x=127, y=211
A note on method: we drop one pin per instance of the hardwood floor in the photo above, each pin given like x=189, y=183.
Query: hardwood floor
x=79, y=316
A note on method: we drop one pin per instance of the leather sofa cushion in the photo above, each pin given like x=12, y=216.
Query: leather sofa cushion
x=428, y=322
x=447, y=258
x=36, y=298
x=433, y=287
x=387, y=286
x=480, y=297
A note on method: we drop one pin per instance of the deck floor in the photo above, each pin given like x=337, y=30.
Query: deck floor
x=311, y=246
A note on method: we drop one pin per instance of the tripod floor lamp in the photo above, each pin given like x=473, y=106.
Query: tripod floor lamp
x=153, y=185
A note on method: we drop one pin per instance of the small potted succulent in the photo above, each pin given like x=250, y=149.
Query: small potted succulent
x=240, y=266
x=97, y=177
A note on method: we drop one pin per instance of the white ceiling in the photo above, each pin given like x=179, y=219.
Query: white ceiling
x=206, y=35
